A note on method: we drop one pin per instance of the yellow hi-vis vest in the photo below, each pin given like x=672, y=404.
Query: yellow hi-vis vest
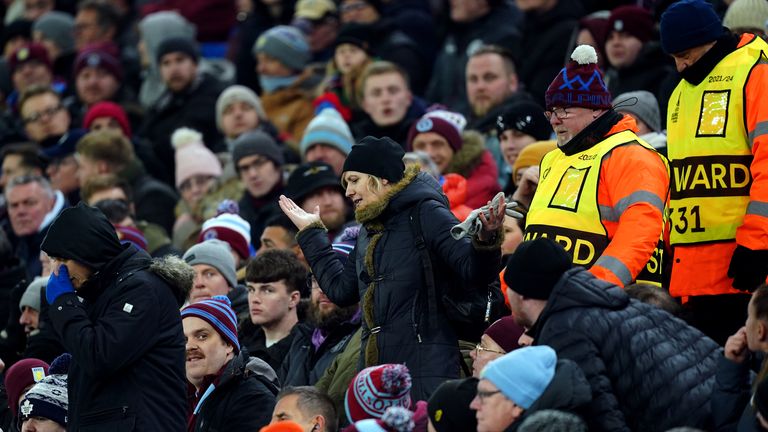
x=565, y=207
x=709, y=151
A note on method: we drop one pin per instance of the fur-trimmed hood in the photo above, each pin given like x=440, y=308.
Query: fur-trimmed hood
x=469, y=156
x=177, y=273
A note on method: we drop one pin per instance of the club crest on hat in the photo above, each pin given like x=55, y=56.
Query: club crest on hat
x=38, y=373
x=315, y=170
x=424, y=125
x=93, y=60
x=618, y=25
x=523, y=122
x=26, y=408
x=210, y=234
x=23, y=54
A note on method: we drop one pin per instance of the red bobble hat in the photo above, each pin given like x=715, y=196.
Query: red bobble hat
x=111, y=110
x=580, y=83
x=376, y=388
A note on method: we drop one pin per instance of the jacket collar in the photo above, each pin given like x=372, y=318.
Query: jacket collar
x=725, y=45
x=469, y=155
x=592, y=134
x=367, y=214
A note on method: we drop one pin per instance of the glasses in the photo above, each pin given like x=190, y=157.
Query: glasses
x=483, y=395
x=560, y=113
x=350, y=7
x=196, y=181
x=35, y=117
x=479, y=348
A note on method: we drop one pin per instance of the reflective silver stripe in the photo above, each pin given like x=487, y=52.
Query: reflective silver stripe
x=760, y=130
x=616, y=267
x=759, y=208
x=612, y=214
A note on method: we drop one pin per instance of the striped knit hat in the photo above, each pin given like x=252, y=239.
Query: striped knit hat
x=376, y=388
x=328, y=128
x=230, y=228
x=216, y=311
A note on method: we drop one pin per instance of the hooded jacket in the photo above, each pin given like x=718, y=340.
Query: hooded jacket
x=125, y=337
x=475, y=163
x=383, y=261
x=648, y=370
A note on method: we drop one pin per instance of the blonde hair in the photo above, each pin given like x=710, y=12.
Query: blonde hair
x=374, y=185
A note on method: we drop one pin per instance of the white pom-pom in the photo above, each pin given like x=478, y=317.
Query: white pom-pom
x=584, y=54
x=184, y=136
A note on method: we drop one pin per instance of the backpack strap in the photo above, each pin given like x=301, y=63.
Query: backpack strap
x=426, y=261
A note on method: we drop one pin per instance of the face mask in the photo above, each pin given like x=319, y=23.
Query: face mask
x=270, y=84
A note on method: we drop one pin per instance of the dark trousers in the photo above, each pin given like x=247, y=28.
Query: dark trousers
x=718, y=316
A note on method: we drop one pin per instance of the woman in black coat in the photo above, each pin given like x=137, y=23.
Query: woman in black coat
x=384, y=272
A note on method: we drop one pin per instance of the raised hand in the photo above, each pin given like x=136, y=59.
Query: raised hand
x=736, y=349
x=296, y=214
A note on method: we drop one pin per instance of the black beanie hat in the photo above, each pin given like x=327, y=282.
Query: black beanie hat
x=82, y=234
x=535, y=267
x=355, y=34
x=257, y=142
x=379, y=157
x=526, y=117
x=178, y=44
x=310, y=177
x=448, y=407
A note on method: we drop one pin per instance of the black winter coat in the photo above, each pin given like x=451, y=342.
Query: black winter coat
x=648, y=370
x=731, y=407
x=430, y=350
x=154, y=201
x=305, y=365
x=243, y=400
x=127, y=345
x=258, y=212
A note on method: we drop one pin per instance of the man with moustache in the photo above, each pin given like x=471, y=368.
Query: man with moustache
x=328, y=331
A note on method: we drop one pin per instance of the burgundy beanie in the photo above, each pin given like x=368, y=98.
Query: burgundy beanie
x=635, y=20
x=580, y=83
x=98, y=56
x=505, y=332
x=29, y=52
x=131, y=235
x=447, y=124
x=376, y=388
x=216, y=311
x=21, y=375
x=111, y=110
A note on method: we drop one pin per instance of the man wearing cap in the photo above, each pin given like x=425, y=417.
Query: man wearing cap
x=30, y=66
x=327, y=139
x=239, y=110
x=314, y=184
x=188, y=101
x=98, y=78
x=602, y=192
x=282, y=53
x=258, y=161
x=524, y=381
x=44, y=407
x=226, y=389
x=125, y=337
x=717, y=145
x=19, y=378
x=30, y=305
x=642, y=106
x=647, y=369
x=319, y=21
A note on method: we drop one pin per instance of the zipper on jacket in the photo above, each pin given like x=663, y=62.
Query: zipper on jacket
x=413, y=318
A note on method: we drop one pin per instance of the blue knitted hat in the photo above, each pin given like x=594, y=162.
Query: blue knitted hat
x=689, y=23
x=522, y=375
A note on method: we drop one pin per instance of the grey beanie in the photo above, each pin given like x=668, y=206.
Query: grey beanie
x=216, y=254
x=286, y=44
x=257, y=142
x=59, y=28
x=33, y=293
x=238, y=93
x=159, y=26
x=641, y=103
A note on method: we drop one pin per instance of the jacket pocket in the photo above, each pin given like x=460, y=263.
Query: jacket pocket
x=118, y=419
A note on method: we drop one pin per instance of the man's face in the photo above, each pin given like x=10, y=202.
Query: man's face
x=106, y=124
x=207, y=352
x=386, y=98
x=88, y=168
x=78, y=273
x=94, y=85
x=178, y=71
x=270, y=303
x=511, y=141
x=333, y=208
x=238, y=117
x=27, y=206
x=31, y=73
x=328, y=154
x=323, y=312
x=275, y=237
x=30, y=319
x=534, y=5
x=687, y=58
x=44, y=117
x=488, y=82
x=622, y=49
x=287, y=408
x=270, y=66
x=208, y=283
x=87, y=30
x=34, y=9
x=63, y=173
x=436, y=147
x=754, y=327
x=358, y=11
x=494, y=412
x=576, y=119
x=487, y=351
x=464, y=11
x=258, y=174
x=517, y=307
x=40, y=424
x=322, y=35
x=11, y=168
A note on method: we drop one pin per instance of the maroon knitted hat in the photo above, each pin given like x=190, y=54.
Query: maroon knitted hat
x=447, y=124
x=111, y=110
x=579, y=84
x=505, y=332
x=635, y=20
x=21, y=375
x=98, y=56
x=376, y=388
x=30, y=52
x=216, y=311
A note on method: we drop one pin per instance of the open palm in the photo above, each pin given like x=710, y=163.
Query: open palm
x=296, y=214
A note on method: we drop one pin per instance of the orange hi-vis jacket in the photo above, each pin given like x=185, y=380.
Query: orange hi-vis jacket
x=618, y=239
x=718, y=144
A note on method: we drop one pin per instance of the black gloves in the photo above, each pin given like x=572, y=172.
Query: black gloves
x=748, y=268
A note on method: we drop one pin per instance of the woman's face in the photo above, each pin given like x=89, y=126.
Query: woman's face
x=195, y=188
x=513, y=236
x=357, y=189
x=348, y=57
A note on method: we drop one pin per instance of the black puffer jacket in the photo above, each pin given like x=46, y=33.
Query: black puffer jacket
x=243, y=399
x=429, y=350
x=648, y=370
x=127, y=345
